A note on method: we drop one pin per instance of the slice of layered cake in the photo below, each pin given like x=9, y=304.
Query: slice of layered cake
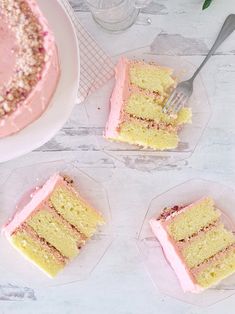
x=196, y=243
x=52, y=228
x=136, y=115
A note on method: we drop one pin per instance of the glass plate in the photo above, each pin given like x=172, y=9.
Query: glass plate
x=15, y=192
x=134, y=156
x=158, y=267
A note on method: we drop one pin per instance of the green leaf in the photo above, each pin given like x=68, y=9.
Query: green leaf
x=206, y=4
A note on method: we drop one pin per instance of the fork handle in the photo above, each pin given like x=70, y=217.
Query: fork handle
x=226, y=30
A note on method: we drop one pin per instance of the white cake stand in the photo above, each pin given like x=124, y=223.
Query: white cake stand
x=60, y=108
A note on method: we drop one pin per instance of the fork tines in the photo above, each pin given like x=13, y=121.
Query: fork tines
x=175, y=102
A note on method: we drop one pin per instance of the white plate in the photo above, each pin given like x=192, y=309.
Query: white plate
x=64, y=99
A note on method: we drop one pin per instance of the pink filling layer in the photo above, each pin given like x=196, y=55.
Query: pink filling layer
x=171, y=252
x=39, y=98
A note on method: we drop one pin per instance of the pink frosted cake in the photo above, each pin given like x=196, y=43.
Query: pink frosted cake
x=29, y=65
x=53, y=226
x=197, y=245
x=136, y=115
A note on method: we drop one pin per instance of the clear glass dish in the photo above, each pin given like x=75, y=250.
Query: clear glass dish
x=151, y=252
x=189, y=135
x=14, y=193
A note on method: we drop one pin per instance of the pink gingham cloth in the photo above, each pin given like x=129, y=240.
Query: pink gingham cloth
x=96, y=66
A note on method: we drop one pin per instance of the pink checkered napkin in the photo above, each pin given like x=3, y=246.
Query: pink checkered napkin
x=96, y=67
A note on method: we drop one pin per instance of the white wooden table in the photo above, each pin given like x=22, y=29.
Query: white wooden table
x=120, y=284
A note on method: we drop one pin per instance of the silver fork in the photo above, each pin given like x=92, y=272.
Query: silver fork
x=184, y=90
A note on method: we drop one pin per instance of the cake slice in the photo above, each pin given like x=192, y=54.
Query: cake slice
x=52, y=228
x=196, y=243
x=136, y=115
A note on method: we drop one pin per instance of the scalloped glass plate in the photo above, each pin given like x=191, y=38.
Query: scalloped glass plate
x=15, y=192
x=189, y=135
x=153, y=257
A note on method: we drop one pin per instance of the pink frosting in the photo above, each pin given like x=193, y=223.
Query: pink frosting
x=39, y=98
x=39, y=198
x=171, y=252
x=120, y=93
x=7, y=51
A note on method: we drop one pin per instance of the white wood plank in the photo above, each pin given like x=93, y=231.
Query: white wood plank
x=120, y=284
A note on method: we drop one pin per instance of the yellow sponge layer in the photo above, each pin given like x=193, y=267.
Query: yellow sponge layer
x=54, y=231
x=76, y=211
x=200, y=215
x=206, y=245
x=184, y=116
x=142, y=106
x=217, y=270
x=152, y=77
x=36, y=252
x=150, y=108
x=136, y=132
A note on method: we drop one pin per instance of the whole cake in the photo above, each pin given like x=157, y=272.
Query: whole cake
x=197, y=245
x=29, y=65
x=136, y=115
x=54, y=225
